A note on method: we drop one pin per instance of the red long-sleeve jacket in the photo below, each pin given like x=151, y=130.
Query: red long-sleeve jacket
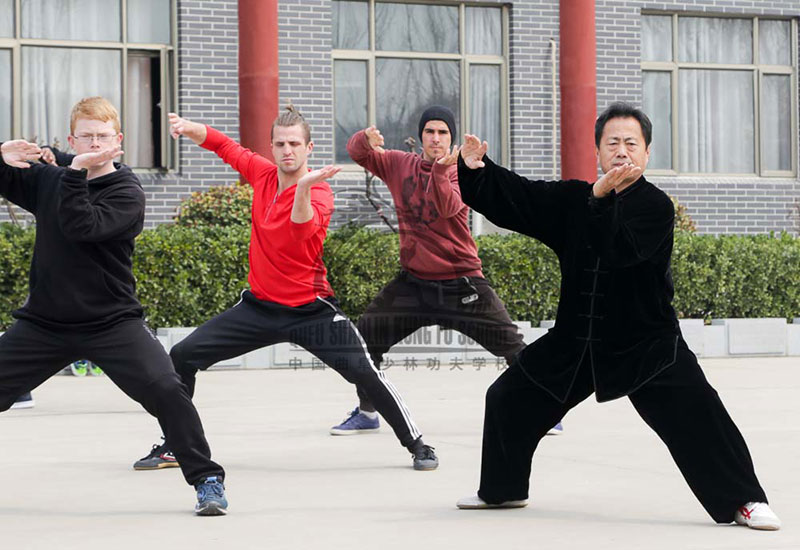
x=286, y=264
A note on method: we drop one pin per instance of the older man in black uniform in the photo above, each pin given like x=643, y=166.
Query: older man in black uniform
x=616, y=333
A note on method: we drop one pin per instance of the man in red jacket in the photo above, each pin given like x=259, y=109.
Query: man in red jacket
x=290, y=299
x=441, y=282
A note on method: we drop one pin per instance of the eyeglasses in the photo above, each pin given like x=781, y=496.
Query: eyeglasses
x=89, y=138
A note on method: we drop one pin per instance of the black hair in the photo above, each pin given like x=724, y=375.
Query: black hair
x=621, y=109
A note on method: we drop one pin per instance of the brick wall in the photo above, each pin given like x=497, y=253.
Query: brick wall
x=208, y=91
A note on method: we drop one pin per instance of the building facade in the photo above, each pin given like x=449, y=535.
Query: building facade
x=718, y=78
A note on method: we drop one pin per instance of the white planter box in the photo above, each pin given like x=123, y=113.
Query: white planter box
x=755, y=336
x=692, y=330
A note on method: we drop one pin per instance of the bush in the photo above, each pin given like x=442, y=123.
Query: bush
x=187, y=275
x=16, y=248
x=220, y=206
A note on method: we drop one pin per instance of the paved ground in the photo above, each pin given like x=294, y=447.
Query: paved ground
x=608, y=483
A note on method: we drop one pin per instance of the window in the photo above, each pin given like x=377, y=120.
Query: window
x=54, y=52
x=392, y=59
x=721, y=93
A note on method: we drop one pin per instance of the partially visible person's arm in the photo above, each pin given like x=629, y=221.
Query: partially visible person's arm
x=17, y=176
x=312, y=206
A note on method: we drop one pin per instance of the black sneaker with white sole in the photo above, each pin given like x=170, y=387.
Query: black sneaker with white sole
x=160, y=457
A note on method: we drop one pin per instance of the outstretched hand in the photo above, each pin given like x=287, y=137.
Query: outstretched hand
x=450, y=157
x=184, y=127
x=18, y=152
x=88, y=160
x=375, y=139
x=317, y=176
x=617, y=178
x=473, y=151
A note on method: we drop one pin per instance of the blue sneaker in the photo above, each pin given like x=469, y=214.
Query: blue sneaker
x=357, y=423
x=211, y=499
x=558, y=429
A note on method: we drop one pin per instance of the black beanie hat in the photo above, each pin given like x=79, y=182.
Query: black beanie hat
x=438, y=112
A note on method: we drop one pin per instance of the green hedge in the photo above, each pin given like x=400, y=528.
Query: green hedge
x=186, y=275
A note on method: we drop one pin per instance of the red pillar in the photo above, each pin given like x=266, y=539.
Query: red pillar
x=258, y=72
x=578, y=74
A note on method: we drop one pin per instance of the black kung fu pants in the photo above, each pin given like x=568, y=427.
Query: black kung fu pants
x=678, y=404
x=320, y=327
x=132, y=358
x=468, y=305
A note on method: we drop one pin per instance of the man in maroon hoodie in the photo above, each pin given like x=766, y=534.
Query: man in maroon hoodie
x=441, y=282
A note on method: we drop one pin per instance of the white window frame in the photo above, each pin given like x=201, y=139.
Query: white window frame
x=758, y=70
x=168, y=64
x=466, y=60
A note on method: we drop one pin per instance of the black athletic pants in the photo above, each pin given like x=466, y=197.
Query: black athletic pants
x=320, y=327
x=678, y=404
x=132, y=358
x=468, y=305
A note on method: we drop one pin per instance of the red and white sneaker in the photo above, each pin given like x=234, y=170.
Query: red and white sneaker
x=757, y=515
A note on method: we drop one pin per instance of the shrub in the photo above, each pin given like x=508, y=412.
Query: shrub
x=220, y=206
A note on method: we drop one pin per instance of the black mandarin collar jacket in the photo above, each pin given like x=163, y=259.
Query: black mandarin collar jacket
x=614, y=313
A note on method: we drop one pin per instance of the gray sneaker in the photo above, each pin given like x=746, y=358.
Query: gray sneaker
x=424, y=457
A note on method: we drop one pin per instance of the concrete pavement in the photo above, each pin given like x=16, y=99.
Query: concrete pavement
x=607, y=483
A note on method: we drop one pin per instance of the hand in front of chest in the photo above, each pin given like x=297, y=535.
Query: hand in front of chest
x=375, y=139
x=617, y=178
x=184, y=127
x=473, y=151
x=449, y=158
x=88, y=160
x=317, y=176
x=18, y=152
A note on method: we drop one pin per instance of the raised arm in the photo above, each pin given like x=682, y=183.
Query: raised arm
x=313, y=203
x=443, y=185
x=365, y=147
x=534, y=208
x=117, y=215
x=17, y=178
x=627, y=230
x=249, y=164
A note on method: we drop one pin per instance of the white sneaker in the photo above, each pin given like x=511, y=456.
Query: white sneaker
x=477, y=503
x=24, y=402
x=757, y=515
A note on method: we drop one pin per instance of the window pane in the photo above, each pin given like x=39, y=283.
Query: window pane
x=149, y=21
x=656, y=38
x=5, y=95
x=351, y=25
x=7, y=18
x=715, y=127
x=715, y=40
x=142, y=143
x=416, y=28
x=54, y=79
x=657, y=103
x=350, y=103
x=776, y=122
x=484, y=31
x=71, y=19
x=775, y=43
x=484, y=109
x=405, y=87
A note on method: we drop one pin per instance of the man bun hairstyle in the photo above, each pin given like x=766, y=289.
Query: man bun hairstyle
x=620, y=109
x=290, y=116
x=94, y=108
